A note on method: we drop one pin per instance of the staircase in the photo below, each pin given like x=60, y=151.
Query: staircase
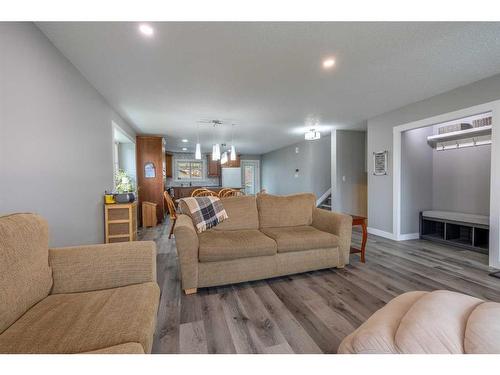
x=327, y=203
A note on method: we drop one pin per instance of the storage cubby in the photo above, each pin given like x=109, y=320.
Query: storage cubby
x=458, y=233
x=481, y=238
x=433, y=228
x=453, y=228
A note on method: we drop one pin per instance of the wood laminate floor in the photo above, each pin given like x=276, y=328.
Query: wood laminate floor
x=305, y=313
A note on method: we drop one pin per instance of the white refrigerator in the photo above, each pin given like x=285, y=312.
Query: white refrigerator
x=231, y=178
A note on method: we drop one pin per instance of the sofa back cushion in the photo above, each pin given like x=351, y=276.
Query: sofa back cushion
x=241, y=212
x=25, y=275
x=285, y=210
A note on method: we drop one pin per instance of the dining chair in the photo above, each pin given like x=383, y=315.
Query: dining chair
x=205, y=193
x=171, y=211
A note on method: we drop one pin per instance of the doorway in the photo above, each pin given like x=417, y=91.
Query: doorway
x=250, y=176
x=494, y=199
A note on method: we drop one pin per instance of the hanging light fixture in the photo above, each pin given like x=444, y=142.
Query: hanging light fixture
x=223, y=159
x=197, y=154
x=312, y=135
x=215, y=152
x=233, y=153
x=233, y=150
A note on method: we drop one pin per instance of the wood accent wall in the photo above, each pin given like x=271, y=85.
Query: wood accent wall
x=150, y=149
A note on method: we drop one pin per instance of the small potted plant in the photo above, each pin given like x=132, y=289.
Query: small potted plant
x=124, y=187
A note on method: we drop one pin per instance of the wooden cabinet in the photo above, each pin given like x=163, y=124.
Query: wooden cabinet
x=120, y=220
x=213, y=167
x=233, y=163
x=169, y=166
x=150, y=173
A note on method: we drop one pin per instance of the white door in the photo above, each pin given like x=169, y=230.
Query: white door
x=250, y=176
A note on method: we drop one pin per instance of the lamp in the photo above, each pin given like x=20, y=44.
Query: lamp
x=233, y=153
x=233, y=150
x=312, y=135
x=197, y=153
x=215, y=152
x=223, y=159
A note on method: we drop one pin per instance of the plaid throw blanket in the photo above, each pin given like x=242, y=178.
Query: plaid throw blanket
x=206, y=212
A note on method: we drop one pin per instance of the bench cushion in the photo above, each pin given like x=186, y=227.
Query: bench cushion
x=300, y=238
x=233, y=244
x=457, y=216
x=83, y=322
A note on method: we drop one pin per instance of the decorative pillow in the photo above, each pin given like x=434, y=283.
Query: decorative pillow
x=206, y=212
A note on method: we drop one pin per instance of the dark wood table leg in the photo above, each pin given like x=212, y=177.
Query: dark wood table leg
x=363, y=241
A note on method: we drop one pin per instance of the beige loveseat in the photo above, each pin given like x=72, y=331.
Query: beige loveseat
x=265, y=236
x=86, y=299
x=439, y=322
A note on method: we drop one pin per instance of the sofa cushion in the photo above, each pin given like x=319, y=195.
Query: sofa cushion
x=82, y=322
x=285, y=211
x=128, y=348
x=233, y=244
x=25, y=276
x=438, y=322
x=300, y=238
x=242, y=213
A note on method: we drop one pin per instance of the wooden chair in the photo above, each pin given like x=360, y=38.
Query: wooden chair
x=223, y=191
x=196, y=192
x=171, y=211
x=232, y=193
x=206, y=193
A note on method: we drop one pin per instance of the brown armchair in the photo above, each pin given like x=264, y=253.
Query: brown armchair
x=92, y=298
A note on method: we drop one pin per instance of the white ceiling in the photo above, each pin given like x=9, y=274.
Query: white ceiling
x=267, y=77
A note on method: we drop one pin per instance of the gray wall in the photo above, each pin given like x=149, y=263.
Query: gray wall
x=350, y=182
x=312, y=160
x=461, y=180
x=56, y=155
x=416, y=177
x=380, y=137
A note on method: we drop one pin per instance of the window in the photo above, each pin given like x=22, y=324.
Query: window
x=189, y=169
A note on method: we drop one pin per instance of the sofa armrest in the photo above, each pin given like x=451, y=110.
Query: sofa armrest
x=96, y=267
x=186, y=240
x=337, y=224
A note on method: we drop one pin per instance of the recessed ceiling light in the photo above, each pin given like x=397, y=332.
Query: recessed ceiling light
x=185, y=140
x=328, y=63
x=184, y=149
x=146, y=29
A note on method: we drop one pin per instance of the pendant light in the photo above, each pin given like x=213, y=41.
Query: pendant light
x=312, y=135
x=223, y=159
x=216, y=152
x=233, y=150
x=197, y=154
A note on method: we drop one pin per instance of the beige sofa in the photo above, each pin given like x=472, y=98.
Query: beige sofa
x=86, y=299
x=439, y=322
x=265, y=236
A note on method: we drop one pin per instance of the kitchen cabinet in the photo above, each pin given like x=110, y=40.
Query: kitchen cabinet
x=232, y=163
x=169, y=165
x=150, y=156
x=213, y=167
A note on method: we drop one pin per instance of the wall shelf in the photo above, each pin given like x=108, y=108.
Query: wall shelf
x=433, y=140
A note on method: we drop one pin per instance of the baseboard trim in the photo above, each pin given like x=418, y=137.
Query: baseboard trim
x=381, y=233
x=409, y=236
x=323, y=197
